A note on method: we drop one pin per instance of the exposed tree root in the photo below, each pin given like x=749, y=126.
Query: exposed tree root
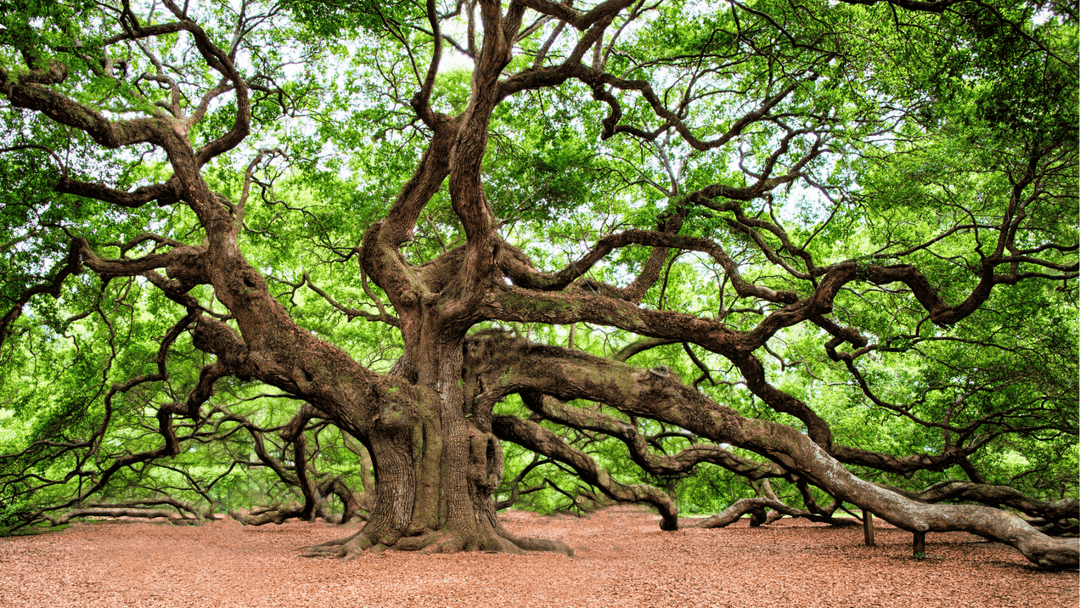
x=434, y=541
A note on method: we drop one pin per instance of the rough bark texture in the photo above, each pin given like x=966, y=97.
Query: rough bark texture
x=756, y=507
x=428, y=424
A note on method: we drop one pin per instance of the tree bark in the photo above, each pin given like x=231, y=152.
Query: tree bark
x=571, y=375
x=437, y=462
x=755, y=505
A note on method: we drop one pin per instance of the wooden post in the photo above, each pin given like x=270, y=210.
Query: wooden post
x=868, y=528
x=918, y=548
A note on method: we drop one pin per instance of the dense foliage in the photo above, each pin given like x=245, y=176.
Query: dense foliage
x=605, y=251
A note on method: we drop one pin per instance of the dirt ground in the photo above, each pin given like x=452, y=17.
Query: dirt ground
x=623, y=559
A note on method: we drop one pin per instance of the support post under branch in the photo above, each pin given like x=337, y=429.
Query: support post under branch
x=918, y=546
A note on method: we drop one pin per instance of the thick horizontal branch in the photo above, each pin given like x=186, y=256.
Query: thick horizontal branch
x=579, y=20
x=658, y=464
x=134, y=512
x=162, y=194
x=571, y=375
x=748, y=505
x=997, y=496
x=527, y=306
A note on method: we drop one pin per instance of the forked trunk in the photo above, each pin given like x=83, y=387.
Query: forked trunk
x=437, y=465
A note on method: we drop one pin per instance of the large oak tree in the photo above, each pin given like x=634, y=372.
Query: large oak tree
x=803, y=220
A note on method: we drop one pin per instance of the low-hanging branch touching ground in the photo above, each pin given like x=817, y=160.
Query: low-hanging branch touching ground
x=350, y=253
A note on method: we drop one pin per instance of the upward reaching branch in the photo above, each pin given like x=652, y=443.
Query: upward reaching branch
x=864, y=247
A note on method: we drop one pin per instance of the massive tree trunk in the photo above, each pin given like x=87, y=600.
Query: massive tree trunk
x=428, y=423
x=437, y=462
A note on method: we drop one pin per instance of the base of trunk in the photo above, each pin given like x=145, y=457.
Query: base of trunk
x=495, y=540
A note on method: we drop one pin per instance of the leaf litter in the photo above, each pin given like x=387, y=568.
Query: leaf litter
x=623, y=559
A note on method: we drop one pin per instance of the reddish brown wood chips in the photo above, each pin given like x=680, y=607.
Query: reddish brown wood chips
x=623, y=559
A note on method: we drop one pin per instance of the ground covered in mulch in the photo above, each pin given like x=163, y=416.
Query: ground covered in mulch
x=623, y=559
